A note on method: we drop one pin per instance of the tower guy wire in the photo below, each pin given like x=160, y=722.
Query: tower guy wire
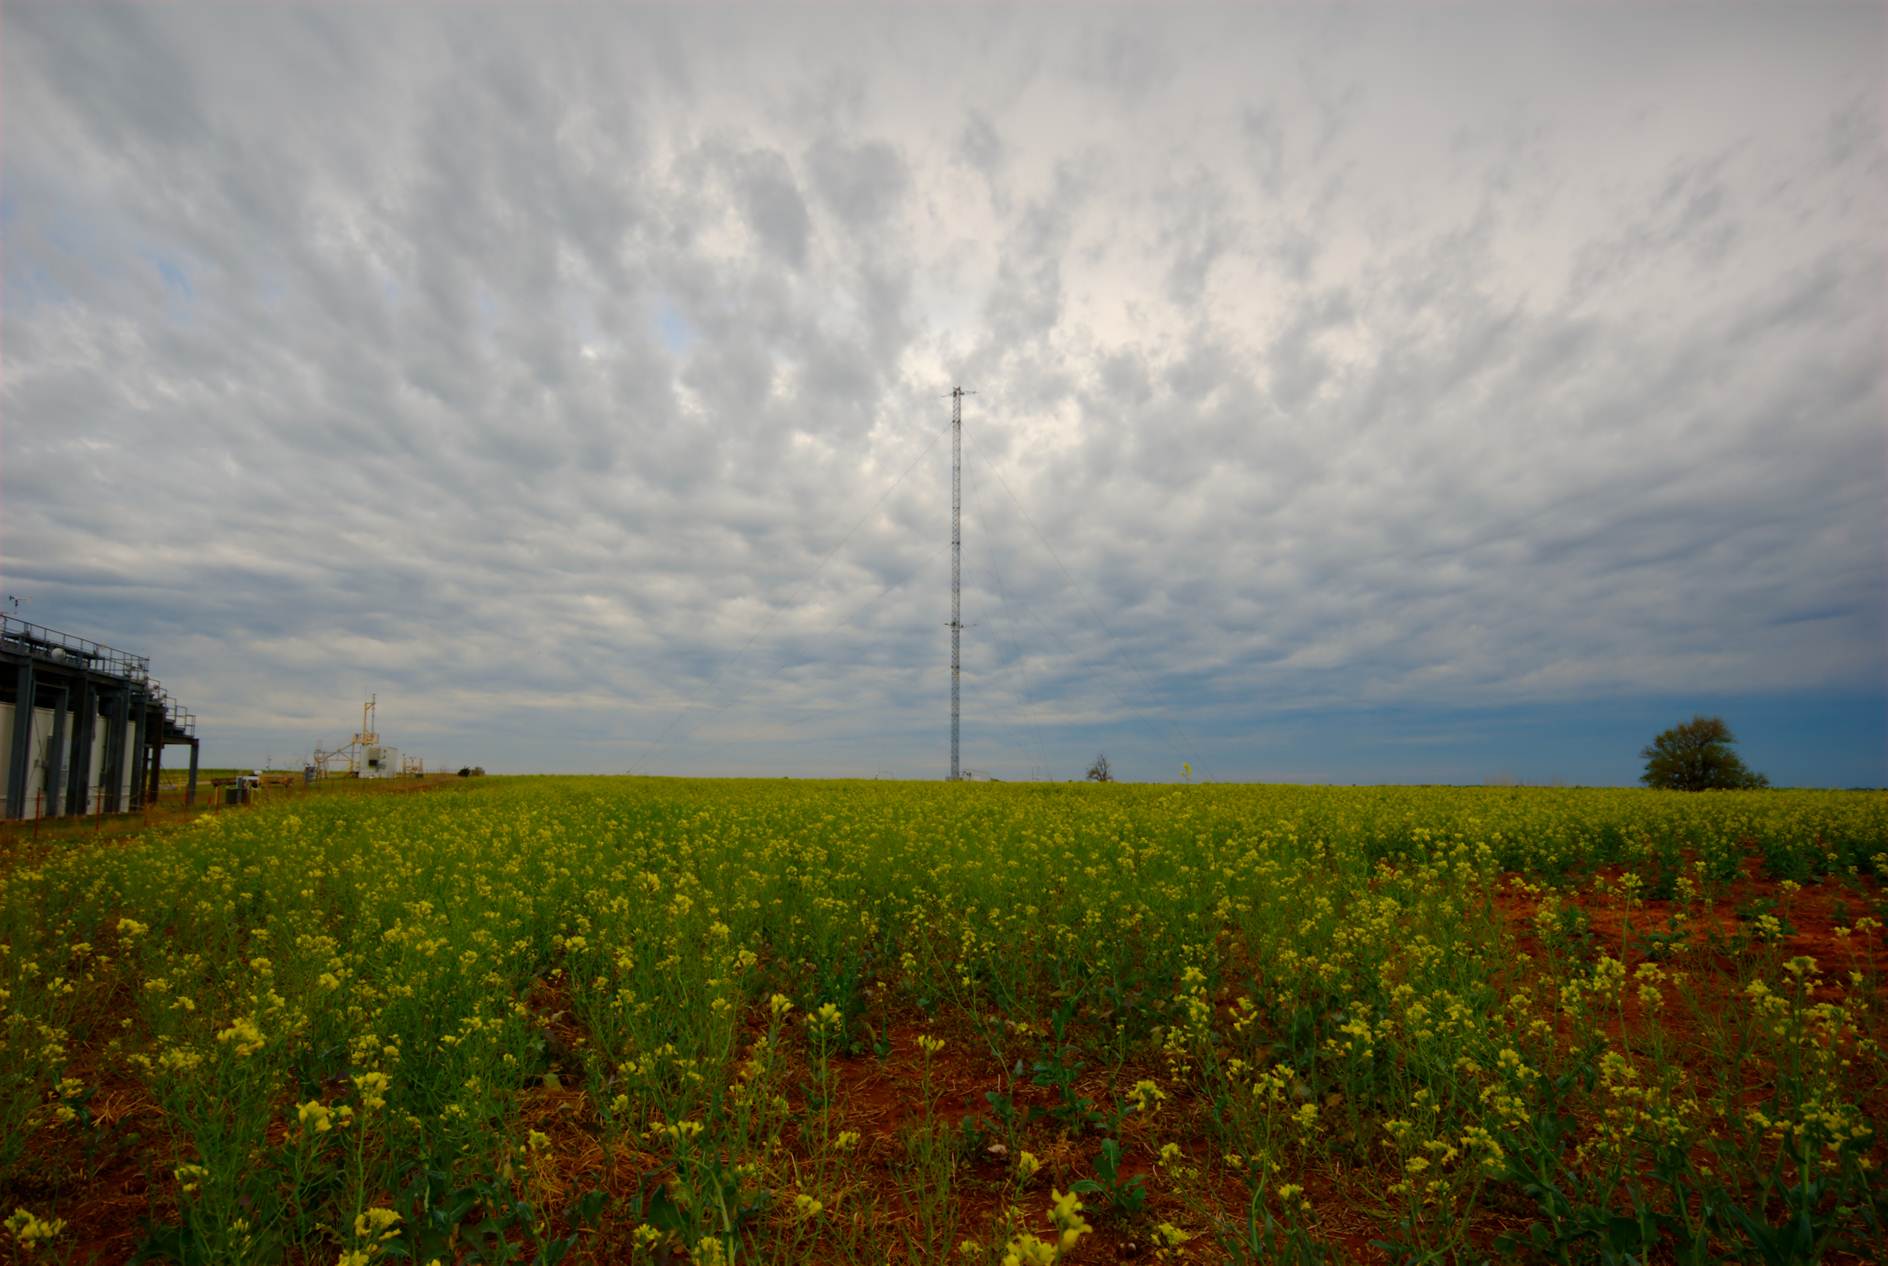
x=1187, y=749
x=660, y=744
x=1039, y=757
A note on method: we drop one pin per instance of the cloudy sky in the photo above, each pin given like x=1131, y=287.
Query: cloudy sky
x=1388, y=393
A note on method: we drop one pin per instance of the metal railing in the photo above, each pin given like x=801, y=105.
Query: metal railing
x=28, y=638
x=174, y=713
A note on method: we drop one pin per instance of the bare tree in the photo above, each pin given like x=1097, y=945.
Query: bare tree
x=1099, y=771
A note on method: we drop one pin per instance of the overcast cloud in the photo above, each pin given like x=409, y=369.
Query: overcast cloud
x=1360, y=392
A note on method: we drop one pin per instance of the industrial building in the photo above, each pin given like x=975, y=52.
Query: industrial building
x=83, y=727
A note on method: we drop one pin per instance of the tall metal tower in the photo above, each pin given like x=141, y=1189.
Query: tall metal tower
x=957, y=558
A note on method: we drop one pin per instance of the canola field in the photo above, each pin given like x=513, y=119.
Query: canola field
x=665, y=1021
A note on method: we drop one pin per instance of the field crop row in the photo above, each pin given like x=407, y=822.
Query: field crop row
x=656, y=1021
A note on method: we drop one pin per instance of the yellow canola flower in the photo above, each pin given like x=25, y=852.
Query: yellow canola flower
x=1146, y=1095
x=678, y=1131
x=933, y=891
x=31, y=1230
x=243, y=1035
x=1169, y=1236
x=373, y=1089
x=1066, y=1212
x=315, y=1115
x=1027, y=1250
x=377, y=1223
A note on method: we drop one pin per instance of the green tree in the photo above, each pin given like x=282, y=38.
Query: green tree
x=1697, y=756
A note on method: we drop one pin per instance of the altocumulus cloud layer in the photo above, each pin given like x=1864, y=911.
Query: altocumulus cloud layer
x=574, y=378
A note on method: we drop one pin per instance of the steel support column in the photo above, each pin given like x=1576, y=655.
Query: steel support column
x=157, y=763
x=56, y=751
x=84, y=736
x=190, y=788
x=21, y=764
x=111, y=769
x=140, y=748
